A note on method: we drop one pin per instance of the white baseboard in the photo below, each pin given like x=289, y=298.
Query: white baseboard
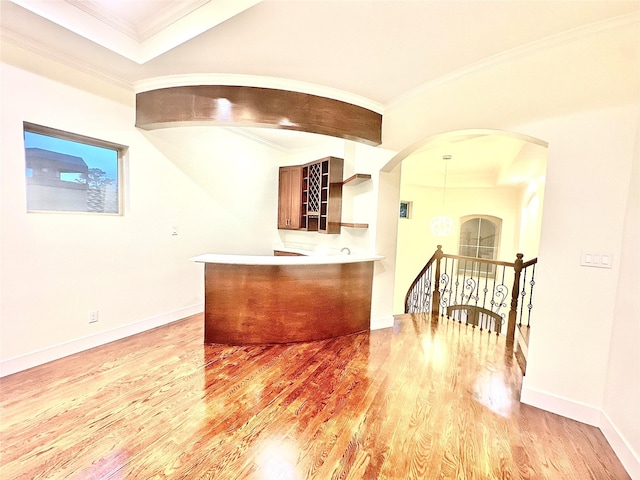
x=562, y=406
x=383, y=322
x=590, y=415
x=54, y=352
x=629, y=458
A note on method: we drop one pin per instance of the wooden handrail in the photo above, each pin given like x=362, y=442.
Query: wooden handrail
x=420, y=275
x=481, y=260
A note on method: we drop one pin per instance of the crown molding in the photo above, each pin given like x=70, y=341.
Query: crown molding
x=108, y=30
x=104, y=16
x=35, y=46
x=163, y=16
x=578, y=33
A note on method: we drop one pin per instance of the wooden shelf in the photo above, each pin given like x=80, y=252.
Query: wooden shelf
x=357, y=179
x=354, y=225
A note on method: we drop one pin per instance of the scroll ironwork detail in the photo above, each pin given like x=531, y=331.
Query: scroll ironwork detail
x=475, y=291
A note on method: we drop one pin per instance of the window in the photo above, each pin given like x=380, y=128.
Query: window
x=405, y=209
x=66, y=172
x=479, y=238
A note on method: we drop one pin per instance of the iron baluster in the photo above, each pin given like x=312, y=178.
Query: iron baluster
x=444, y=282
x=451, y=273
x=532, y=282
x=523, y=294
x=436, y=291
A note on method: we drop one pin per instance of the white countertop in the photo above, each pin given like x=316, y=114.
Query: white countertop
x=284, y=260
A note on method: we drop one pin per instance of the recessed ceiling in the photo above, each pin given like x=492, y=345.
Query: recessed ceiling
x=485, y=160
x=138, y=30
x=140, y=20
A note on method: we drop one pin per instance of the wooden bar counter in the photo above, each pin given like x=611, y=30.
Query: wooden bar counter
x=284, y=299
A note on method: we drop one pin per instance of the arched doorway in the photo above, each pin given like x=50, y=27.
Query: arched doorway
x=490, y=173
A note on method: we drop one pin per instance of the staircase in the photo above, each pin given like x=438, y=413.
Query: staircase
x=490, y=295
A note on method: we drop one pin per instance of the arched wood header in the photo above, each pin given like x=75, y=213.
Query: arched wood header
x=256, y=107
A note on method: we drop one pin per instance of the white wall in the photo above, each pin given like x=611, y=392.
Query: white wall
x=58, y=267
x=585, y=199
x=385, y=225
x=531, y=208
x=621, y=408
x=571, y=366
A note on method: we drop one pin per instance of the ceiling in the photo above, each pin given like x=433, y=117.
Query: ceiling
x=482, y=159
x=371, y=53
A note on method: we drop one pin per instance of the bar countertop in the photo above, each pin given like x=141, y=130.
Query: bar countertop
x=276, y=260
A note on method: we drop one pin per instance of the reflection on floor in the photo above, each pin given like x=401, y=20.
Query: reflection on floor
x=413, y=401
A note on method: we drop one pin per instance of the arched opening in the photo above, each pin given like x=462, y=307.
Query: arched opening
x=491, y=174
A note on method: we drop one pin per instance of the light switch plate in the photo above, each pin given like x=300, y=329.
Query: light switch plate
x=596, y=259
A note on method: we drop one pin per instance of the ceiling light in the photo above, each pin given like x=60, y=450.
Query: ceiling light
x=442, y=225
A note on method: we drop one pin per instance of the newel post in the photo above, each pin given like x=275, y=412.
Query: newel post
x=435, y=309
x=515, y=293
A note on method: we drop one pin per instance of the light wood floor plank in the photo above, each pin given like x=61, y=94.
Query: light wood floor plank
x=416, y=401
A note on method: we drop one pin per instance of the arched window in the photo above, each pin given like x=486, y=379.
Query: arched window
x=480, y=238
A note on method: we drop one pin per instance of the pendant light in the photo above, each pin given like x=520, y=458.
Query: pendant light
x=442, y=225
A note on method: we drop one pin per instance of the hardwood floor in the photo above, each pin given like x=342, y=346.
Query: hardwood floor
x=412, y=401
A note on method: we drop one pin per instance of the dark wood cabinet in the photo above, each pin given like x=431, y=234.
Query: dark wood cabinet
x=322, y=195
x=319, y=195
x=289, y=197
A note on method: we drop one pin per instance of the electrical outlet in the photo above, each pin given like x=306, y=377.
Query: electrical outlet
x=93, y=316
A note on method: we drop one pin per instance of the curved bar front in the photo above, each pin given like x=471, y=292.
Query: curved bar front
x=264, y=299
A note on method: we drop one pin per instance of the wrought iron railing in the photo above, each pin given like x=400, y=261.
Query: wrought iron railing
x=488, y=294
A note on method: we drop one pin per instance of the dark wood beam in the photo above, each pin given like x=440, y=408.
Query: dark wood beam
x=256, y=107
